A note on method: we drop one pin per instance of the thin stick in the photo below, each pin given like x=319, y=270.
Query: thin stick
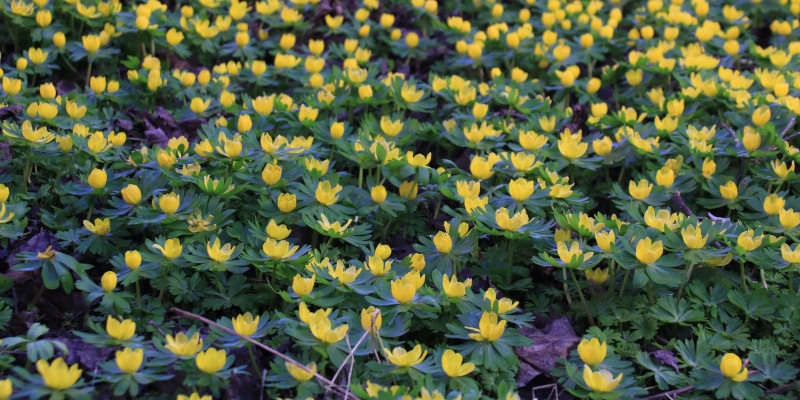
x=670, y=393
x=266, y=348
x=788, y=127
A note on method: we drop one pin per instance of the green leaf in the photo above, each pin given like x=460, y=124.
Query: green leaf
x=669, y=309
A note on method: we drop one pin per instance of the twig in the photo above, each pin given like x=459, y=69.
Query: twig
x=155, y=325
x=263, y=382
x=351, y=354
x=553, y=390
x=670, y=393
x=788, y=126
x=781, y=389
x=792, y=136
x=266, y=348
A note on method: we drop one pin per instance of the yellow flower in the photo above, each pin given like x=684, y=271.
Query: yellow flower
x=97, y=178
x=481, y=167
x=789, y=219
x=378, y=194
x=217, y=253
x=321, y=328
x=513, y=223
x=300, y=374
x=194, y=396
x=661, y=220
x=729, y=191
x=337, y=130
x=567, y=254
x=279, y=250
x=597, y=275
x=592, y=352
x=91, y=43
x=693, y=237
x=211, y=360
x=731, y=367
x=133, y=259
x=519, y=189
x=648, y=252
x=751, y=139
x=789, y=255
x=303, y=286
x=781, y=169
x=761, y=116
x=183, y=346
x=366, y=319
x=389, y=127
x=172, y=248
x=308, y=114
x=74, y=110
x=120, y=330
x=601, y=381
x=640, y=190
x=6, y=389
x=489, y=328
x=410, y=93
x=245, y=324
x=570, y=145
x=443, y=242
x=169, y=203
x=11, y=86
x=287, y=202
x=404, y=359
x=665, y=177
x=129, y=361
x=604, y=240
x=773, y=204
x=58, y=376
x=748, y=241
x=403, y=291
x=326, y=194
x=277, y=232
x=100, y=227
x=454, y=366
x=131, y=194
x=198, y=105
x=453, y=288
x=109, y=281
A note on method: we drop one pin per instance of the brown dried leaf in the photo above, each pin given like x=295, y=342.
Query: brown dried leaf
x=549, y=344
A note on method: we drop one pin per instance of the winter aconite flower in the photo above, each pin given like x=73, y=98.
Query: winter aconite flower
x=303, y=286
x=183, y=346
x=454, y=366
x=489, y=328
x=300, y=374
x=211, y=360
x=404, y=359
x=648, y=252
x=245, y=324
x=131, y=194
x=279, y=250
x=120, y=330
x=367, y=315
x=129, y=361
x=100, y=227
x=443, y=242
x=731, y=367
x=219, y=253
x=57, y=375
x=171, y=250
x=602, y=381
x=592, y=352
x=109, y=281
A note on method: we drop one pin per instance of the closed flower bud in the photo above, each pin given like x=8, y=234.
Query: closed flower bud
x=443, y=242
x=729, y=191
x=133, y=259
x=337, y=130
x=378, y=194
x=97, y=179
x=287, y=202
x=109, y=281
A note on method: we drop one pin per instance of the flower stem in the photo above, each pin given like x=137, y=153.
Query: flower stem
x=252, y=358
x=566, y=287
x=89, y=71
x=650, y=297
x=138, y=294
x=510, y=262
x=583, y=300
x=688, y=275
x=744, y=278
x=624, y=282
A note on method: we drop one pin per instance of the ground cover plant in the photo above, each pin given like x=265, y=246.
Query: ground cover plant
x=389, y=199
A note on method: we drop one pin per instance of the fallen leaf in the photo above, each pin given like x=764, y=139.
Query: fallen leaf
x=549, y=344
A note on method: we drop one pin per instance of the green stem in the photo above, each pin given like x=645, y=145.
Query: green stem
x=624, y=282
x=650, y=297
x=138, y=294
x=360, y=176
x=89, y=71
x=253, y=358
x=688, y=275
x=744, y=278
x=583, y=300
x=510, y=262
x=763, y=279
x=28, y=170
x=566, y=287
x=37, y=296
x=612, y=272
